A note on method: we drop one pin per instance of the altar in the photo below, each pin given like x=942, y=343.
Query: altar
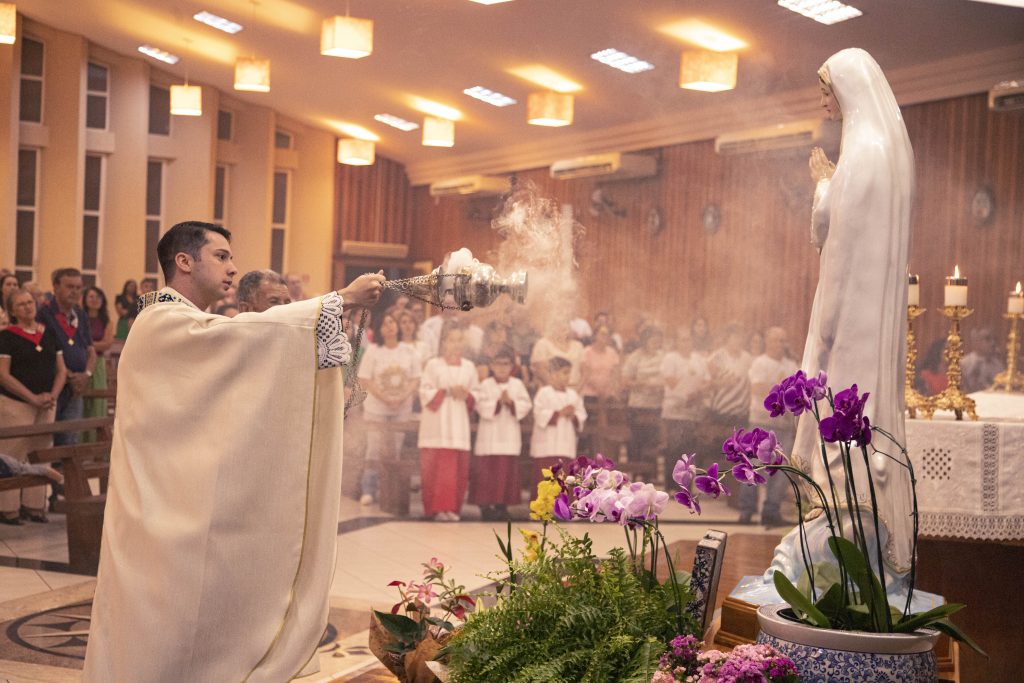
x=968, y=472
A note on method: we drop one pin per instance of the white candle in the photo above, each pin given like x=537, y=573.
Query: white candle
x=1015, y=304
x=956, y=289
x=913, y=291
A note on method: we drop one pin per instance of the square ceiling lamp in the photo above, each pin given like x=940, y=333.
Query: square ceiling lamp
x=346, y=37
x=438, y=132
x=252, y=75
x=708, y=71
x=8, y=22
x=355, y=152
x=186, y=100
x=549, y=109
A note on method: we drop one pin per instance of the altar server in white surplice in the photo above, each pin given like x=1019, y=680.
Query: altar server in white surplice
x=502, y=401
x=221, y=517
x=558, y=417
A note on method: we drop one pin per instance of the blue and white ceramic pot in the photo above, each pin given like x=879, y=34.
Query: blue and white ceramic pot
x=823, y=654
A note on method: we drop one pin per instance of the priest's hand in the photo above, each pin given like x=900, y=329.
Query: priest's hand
x=821, y=168
x=364, y=290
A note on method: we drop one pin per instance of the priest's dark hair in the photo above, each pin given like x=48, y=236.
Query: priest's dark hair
x=188, y=237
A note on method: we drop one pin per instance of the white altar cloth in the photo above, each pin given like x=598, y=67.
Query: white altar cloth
x=969, y=477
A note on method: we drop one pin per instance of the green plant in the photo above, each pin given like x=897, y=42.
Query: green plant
x=570, y=616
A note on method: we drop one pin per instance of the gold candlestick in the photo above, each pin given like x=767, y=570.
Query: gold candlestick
x=1011, y=380
x=914, y=400
x=952, y=397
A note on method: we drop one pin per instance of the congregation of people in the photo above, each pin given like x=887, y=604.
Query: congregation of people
x=462, y=395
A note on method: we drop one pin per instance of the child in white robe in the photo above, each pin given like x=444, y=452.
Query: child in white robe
x=444, y=439
x=502, y=401
x=558, y=417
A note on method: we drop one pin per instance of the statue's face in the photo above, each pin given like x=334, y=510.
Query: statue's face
x=829, y=103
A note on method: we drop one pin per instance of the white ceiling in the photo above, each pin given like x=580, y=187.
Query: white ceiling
x=436, y=48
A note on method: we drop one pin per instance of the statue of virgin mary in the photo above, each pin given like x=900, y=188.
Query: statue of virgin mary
x=861, y=226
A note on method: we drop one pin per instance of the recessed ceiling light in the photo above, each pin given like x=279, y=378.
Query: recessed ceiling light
x=489, y=96
x=546, y=78
x=703, y=35
x=826, y=12
x=157, y=53
x=219, y=23
x=396, y=122
x=621, y=61
x=1008, y=3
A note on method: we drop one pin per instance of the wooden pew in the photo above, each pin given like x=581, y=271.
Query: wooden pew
x=84, y=510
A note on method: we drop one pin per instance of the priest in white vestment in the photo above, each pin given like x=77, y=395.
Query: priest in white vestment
x=221, y=518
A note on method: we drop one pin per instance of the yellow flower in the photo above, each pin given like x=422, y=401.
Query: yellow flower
x=532, y=551
x=542, y=507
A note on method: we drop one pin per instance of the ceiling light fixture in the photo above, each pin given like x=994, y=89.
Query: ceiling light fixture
x=252, y=75
x=622, y=61
x=219, y=23
x=708, y=71
x=158, y=54
x=432, y=108
x=703, y=34
x=438, y=132
x=354, y=152
x=548, y=108
x=8, y=22
x=826, y=12
x=396, y=122
x=186, y=100
x=546, y=78
x=489, y=96
x=347, y=37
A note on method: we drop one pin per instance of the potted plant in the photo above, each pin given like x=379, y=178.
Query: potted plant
x=686, y=662
x=837, y=618
x=563, y=614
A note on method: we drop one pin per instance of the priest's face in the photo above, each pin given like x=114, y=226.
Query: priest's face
x=214, y=272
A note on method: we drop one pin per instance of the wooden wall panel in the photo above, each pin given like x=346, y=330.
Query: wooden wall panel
x=759, y=268
x=373, y=203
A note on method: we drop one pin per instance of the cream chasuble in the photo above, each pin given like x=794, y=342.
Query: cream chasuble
x=221, y=517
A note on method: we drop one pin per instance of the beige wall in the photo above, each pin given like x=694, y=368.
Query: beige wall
x=191, y=152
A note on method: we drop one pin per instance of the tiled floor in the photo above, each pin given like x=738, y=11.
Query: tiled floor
x=373, y=549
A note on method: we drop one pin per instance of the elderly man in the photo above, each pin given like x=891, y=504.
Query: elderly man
x=259, y=290
x=220, y=526
x=66, y=318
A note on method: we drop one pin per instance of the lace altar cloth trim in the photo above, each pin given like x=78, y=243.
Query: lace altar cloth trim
x=968, y=477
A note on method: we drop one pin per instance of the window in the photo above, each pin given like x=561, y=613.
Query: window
x=28, y=209
x=225, y=125
x=92, y=218
x=283, y=139
x=159, y=110
x=96, y=99
x=31, y=104
x=220, y=193
x=279, y=219
x=154, y=213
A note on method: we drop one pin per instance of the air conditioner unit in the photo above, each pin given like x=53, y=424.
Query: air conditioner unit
x=1006, y=96
x=782, y=136
x=469, y=185
x=613, y=166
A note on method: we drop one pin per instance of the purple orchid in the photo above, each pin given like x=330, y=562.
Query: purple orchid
x=562, y=511
x=687, y=499
x=684, y=471
x=847, y=422
x=709, y=483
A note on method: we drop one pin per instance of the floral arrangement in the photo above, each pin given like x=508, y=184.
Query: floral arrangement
x=685, y=662
x=564, y=614
x=851, y=593
x=420, y=623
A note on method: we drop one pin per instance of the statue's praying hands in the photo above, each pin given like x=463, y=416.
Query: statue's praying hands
x=821, y=167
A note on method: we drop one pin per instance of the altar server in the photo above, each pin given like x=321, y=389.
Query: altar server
x=221, y=518
x=558, y=417
x=446, y=395
x=502, y=401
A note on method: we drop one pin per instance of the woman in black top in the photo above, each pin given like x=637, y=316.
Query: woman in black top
x=32, y=375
